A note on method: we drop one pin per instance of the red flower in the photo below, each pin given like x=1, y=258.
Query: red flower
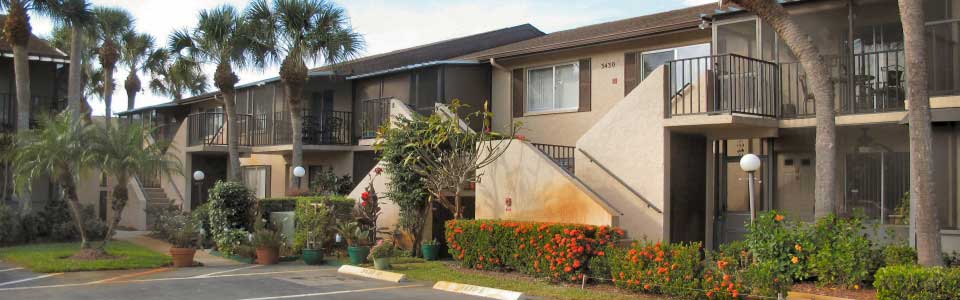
x=365, y=196
x=378, y=170
x=364, y=203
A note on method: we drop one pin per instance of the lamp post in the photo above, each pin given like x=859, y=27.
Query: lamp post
x=198, y=177
x=298, y=172
x=750, y=163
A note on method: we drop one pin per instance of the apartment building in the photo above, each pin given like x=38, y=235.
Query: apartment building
x=641, y=122
x=346, y=104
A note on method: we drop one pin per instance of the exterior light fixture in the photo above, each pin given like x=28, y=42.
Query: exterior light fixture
x=299, y=172
x=750, y=163
x=198, y=175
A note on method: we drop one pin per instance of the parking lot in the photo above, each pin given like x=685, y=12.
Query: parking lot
x=247, y=282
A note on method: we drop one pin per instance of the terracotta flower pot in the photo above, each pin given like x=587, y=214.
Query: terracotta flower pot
x=268, y=256
x=182, y=257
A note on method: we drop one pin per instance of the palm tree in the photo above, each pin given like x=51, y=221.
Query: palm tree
x=220, y=39
x=926, y=218
x=90, y=82
x=16, y=32
x=120, y=152
x=112, y=23
x=134, y=51
x=59, y=148
x=292, y=32
x=175, y=76
x=72, y=18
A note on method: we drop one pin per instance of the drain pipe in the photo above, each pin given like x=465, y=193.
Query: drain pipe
x=494, y=63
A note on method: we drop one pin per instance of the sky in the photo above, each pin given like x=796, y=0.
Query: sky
x=385, y=25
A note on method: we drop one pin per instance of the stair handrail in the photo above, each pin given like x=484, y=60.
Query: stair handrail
x=162, y=174
x=619, y=180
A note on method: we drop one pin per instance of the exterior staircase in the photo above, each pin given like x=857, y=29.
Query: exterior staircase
x=156, y=198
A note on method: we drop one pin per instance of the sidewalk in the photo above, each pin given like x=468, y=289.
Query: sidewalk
x=142, y=239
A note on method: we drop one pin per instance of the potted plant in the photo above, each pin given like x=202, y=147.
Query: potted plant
x=312, y=253
x=268, y=244
x=382, y=254
x=430, y=249
x=312, y=227
x=357, y=245
x=183, y=240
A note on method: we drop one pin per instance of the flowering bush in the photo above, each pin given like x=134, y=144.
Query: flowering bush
x=785, y=243
x=669, y=269
x=559, y=251
x=843, y=253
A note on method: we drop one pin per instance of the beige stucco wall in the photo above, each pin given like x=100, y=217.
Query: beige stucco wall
x=539, y=190
x=606, y=86
x=631, y=142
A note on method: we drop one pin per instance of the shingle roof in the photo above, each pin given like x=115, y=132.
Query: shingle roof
x=443, y=50
x=679, y=19
x=36, y=46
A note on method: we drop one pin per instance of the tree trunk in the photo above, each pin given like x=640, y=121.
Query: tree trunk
x=132, y=86
x=816, y=71
x=293, y=74
x=458, y=214
x=74, y=81
x=120, y=197
x=233, y=135
x=107, y=93
x=21, y=70
x=69, y=190
x=921, y=140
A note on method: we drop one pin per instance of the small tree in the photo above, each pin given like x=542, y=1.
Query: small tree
x=406, y=188
x=367, y=211
x=447, y=154
x=122, y=153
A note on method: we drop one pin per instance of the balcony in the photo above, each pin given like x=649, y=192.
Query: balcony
x=373, y=114
x=329, y=128
x=41, y=105
x=869, y=82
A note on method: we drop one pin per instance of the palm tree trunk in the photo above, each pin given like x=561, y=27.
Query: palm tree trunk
x=21, y=71
x=68, y=187
x=233, y=135
x=74, y=81
x=120, y=198
x=108, y=93
x=816, y=71
x=296, y=129
x=132, y=86
x=921, y=141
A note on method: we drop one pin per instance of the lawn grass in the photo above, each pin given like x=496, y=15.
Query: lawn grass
x=437, y=271
x=52, y=258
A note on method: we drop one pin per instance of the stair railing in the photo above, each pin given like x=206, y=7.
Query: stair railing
x=619, y=180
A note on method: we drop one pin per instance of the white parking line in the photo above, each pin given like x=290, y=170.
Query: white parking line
x=10, y=269
x=155, y=279
x=334, y=293
x=226, y=271
x=29, y=279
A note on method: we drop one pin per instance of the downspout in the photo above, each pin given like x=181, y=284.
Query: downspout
x=494, y=63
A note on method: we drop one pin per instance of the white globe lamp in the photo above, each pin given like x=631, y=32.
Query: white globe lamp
x=299, y=171
x=198, y=175
x=750, y=163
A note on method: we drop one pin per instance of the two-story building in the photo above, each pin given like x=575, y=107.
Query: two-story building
x=641, y=122
x=346, y=104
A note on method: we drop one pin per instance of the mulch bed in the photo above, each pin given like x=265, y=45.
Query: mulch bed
x=811, y=288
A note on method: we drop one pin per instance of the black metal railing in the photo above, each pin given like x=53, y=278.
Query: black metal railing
x=878, y=83
x=329, y=128
x=722, y=83
x=209, y=128
x=563, y=156
x=149, y=179
x=373, y=114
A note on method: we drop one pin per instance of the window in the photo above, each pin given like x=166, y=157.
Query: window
x=652, y=60
x=553, y=88
x=257, y=178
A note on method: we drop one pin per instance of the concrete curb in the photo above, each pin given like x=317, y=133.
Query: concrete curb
x=371, y=273
x=806, y=296
x=480, y=291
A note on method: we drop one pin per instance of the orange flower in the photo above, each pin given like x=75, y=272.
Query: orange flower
x=795, y=260
x=646, y=286
x=798, y=247
x=778, y=218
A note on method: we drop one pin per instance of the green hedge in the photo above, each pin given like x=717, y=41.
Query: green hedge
x=559, y=251
x=342, y=206
x=917, y=283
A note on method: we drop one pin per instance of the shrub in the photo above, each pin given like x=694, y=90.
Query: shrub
x=558, y=251
x=342, y=206
x=669, y=269
x=201, y=219
x=382, y=250
x=899, y=254
x=764, y=279
x=229, y=207
x=313, y=225
x=229, y=241
x=907, y=282
x=951, y=259
x=9, y=226
x=842, y=255
x=780, y=242
x=167, y=220
x=267, y=238
x=183, y=232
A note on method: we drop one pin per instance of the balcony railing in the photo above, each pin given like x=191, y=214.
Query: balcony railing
x=727, y=83
x=373, y=114
x=563, y=156
x=329, y=128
